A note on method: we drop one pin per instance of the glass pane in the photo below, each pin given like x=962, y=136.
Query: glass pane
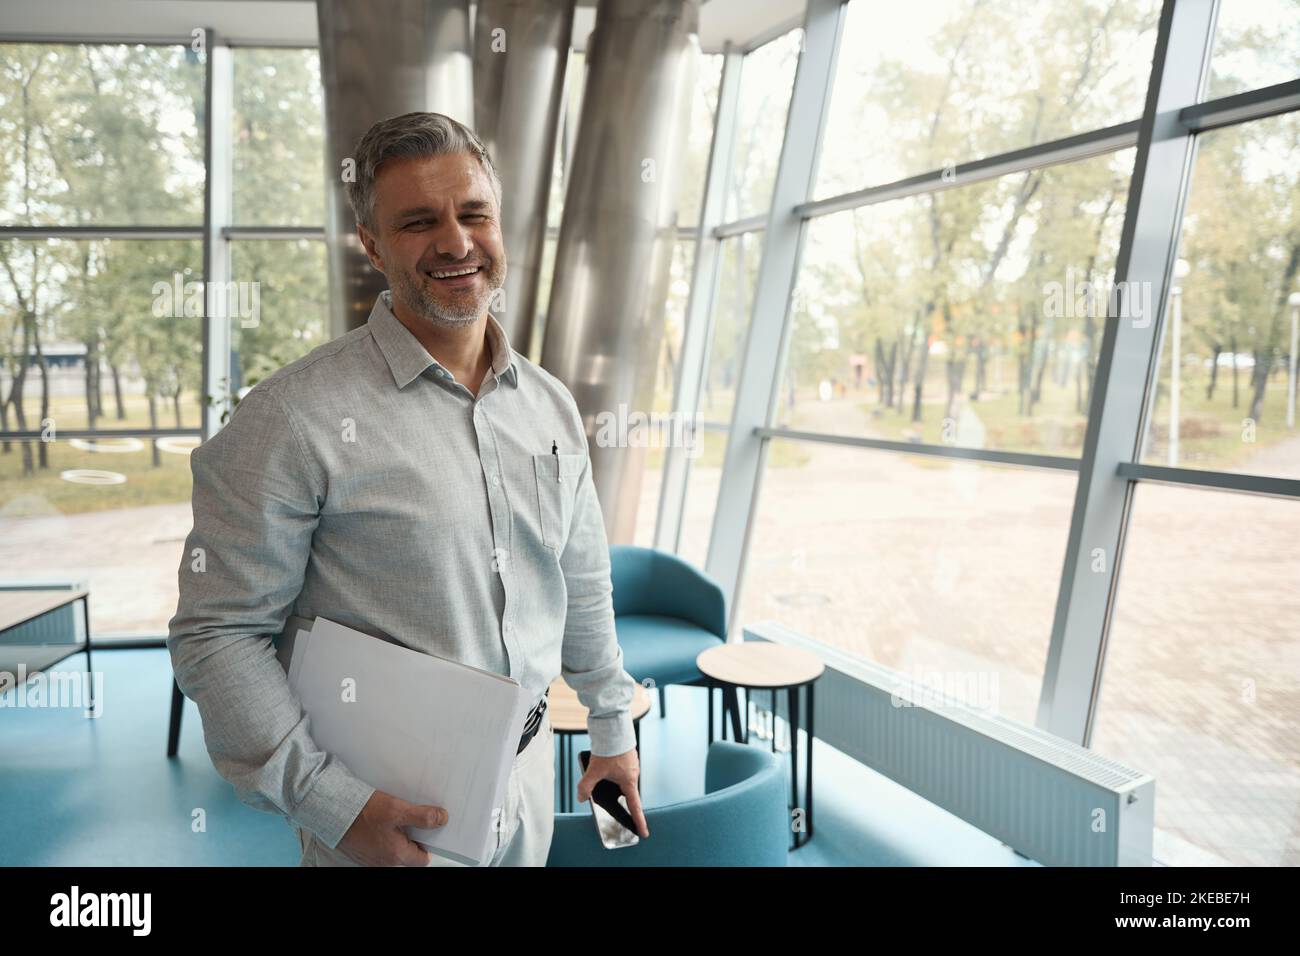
x=701, y=497
x=120, y=348
x=695, y=168
x=293, y=305
x=279, y=139
x=1256, y=43
x=733, y=307
x=113, y=513
x=958, y=317
x=920, y=86
x=1231, y=327
x=100, y=135
x=648, y=509
x=1202, y=680
x=927, y=566
x=679, y=290
x=766, y=82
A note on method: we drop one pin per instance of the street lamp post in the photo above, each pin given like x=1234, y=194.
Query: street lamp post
x=1294, y=301
x=1181, y=268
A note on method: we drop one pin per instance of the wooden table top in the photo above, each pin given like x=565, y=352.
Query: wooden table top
x=759, y=664
x=570, y=717
x=19, y=607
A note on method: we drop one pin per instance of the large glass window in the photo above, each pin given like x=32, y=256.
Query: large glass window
x=104, y=135
x=921, y=86
x=293, y=317
x=278, y=138
x=959, y=317
x=732, y=312
x=1225, y=394
x=110, y=345
x=111, y=331
x=766, y=81
x=105, y=334
x=1256, y=43
x=926, y=566
x=1201, y=687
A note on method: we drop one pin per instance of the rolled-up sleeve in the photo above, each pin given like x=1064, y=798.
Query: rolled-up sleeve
x=592, y=661
x=256, y=503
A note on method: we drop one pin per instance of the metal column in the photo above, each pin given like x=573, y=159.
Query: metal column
x=605, y=323
x=381, y=58
x=521, y=48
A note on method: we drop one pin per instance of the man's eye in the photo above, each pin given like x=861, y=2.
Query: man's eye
x=474, y=217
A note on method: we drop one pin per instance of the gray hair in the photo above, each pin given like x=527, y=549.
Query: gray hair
x=414, y=135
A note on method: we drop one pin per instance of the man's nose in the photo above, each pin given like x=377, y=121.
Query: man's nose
x=453, y=241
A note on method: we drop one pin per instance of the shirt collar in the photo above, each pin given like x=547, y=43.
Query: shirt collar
x=408, y=359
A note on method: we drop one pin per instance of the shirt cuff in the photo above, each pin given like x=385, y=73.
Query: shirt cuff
x=335, y=800
x=611, y=735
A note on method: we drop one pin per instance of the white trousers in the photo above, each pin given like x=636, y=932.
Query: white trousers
x=523, y=839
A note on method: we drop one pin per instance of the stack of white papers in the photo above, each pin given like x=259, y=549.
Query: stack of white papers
x=428, y=730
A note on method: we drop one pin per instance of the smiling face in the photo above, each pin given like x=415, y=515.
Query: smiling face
x=437, y=237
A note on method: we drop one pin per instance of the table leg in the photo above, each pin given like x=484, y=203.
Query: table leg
x=771, y=719
x=793, y=702
x=90, y=677
x=808, y=779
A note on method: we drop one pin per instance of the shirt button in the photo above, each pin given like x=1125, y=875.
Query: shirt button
x=496, y=479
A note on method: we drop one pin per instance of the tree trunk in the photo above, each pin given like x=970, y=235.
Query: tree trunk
x=90, y=383
x=922, y=362
x=153, y=423
x=117, y=391
x=1259, y=381
x=1214, y=372
x=1232, y=343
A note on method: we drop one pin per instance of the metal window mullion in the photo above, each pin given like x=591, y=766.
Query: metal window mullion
x=218, y=207
x=764, y=343
x=101, y=232
x=1071, y=149
x=1242, y=107
x=699, y=309
x=1268, y=485
x=1103, y=498
x=991, y=456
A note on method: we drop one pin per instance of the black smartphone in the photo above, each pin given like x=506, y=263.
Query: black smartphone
x=614, y=822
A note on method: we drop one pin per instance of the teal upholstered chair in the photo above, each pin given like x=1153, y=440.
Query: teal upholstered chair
x=665, y=612
x=740, y=821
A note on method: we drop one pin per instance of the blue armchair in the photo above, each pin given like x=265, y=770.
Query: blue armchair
x=740, y=821
x=665, y=612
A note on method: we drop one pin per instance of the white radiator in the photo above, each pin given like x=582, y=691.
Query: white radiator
x=1049, y=799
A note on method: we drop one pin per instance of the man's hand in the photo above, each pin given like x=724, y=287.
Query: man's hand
x=624, y=770
x=376, y=839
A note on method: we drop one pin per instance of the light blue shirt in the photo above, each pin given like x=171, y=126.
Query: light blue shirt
x=364, y=484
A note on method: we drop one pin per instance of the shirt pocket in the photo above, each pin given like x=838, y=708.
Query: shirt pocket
x=557, y=490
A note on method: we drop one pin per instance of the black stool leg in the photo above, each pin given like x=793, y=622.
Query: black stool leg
x=174, y=728
x=731, y=698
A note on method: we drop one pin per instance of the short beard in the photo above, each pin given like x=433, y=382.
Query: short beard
x=410, y=290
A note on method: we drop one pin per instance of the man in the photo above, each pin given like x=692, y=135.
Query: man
x=418, y=480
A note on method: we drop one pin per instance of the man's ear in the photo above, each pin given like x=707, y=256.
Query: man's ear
x=368, y=243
